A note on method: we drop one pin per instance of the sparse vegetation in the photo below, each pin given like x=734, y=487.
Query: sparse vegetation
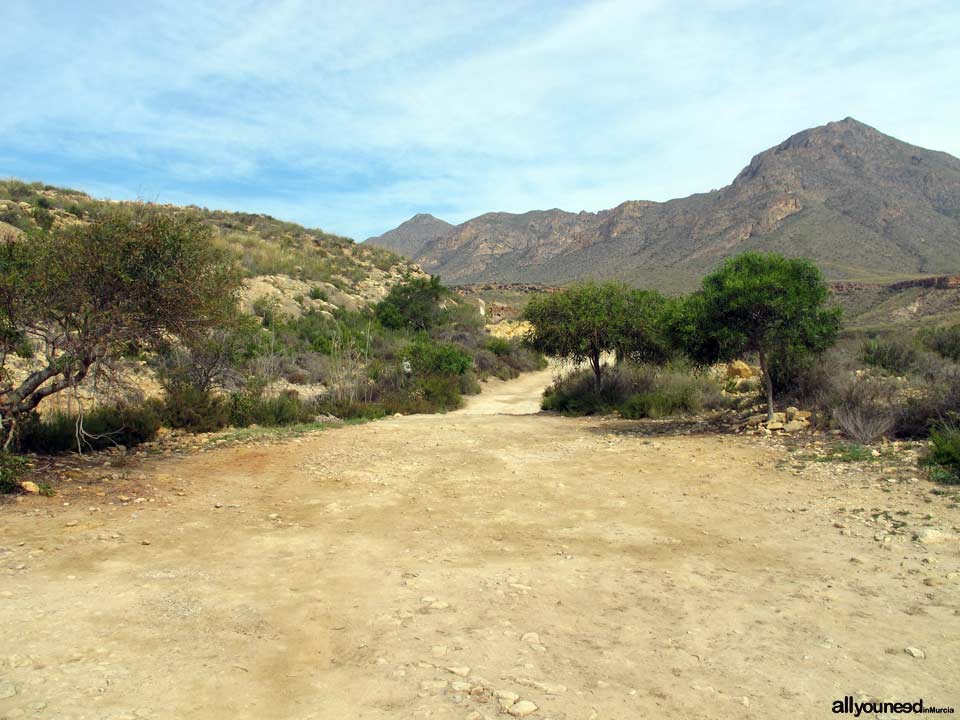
x=11, y=468
x=896, y=355
x=945, y=341
x=944, y=455
x=102, y=427
x=636, y=391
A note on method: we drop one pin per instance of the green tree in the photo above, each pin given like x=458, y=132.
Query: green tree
x=414, y=304
x=84, y=294
x=582, y=322
x=757, y=303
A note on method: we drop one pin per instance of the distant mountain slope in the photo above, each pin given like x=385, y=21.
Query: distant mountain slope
x=299, y=267
x=862, y=204
x=409, y=238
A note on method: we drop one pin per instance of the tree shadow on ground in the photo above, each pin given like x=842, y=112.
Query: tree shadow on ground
x=713, y=424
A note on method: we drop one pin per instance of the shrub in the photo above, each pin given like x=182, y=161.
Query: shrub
x=865, y=409
x=194, y=410
x=897, y=355
x=578, y=394
x=944, y=341
x=358, y=410
x=430, y=358
x=442, y=391
x=929, y=406
x=414, y=304
x=637, y=391
x=251, y=408
x=677, y=391
x=318, y=293
x=499, y=346
x=469, y=384
x=11, y=468
x=102, y=427
x=944, y=453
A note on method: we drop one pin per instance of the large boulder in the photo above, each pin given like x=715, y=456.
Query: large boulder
x=739, y=369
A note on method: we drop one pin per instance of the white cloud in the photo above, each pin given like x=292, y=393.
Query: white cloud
x=355, y=116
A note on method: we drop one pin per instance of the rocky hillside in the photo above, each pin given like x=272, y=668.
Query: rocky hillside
x=298, y=268
x=409, y=238
x=864, y=205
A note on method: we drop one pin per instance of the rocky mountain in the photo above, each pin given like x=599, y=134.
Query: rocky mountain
x=410, y=237
x=863, y=205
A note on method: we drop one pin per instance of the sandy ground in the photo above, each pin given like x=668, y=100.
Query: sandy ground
x=414, y=567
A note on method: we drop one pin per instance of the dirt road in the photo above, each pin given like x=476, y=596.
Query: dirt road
x=414, y=567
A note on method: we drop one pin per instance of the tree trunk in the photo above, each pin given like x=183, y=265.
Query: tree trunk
x=595, y=364
x=767, y=384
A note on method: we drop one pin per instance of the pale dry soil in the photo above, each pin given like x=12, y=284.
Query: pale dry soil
x=591, y=570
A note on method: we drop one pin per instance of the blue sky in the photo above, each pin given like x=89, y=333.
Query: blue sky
x=353, y=116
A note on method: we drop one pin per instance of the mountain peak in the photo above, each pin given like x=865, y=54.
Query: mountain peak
x=856, y=201
x=412, y=235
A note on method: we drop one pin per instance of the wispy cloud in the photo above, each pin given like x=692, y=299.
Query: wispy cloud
x=354, y=116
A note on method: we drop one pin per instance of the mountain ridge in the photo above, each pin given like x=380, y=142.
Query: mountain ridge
x=862, y=204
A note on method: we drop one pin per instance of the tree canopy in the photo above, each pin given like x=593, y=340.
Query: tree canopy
x=757, y=303
x=81, y=295
x=414, y=304
x=582, y=322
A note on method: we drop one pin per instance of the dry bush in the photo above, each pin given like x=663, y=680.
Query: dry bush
x=866, y=409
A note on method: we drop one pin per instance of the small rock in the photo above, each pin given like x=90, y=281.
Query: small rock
x=506, y=698
x=433, y=685
x=523, y=708
x=460, y=670
x=530, y=637
x=72, y=523
x=7, y=690
x=30, y=487
x=931, y=536
x=144, y=542
x=915, y=652
x=794, y=426
x=774, y=425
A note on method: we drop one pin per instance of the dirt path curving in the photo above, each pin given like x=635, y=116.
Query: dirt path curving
x=414, y=567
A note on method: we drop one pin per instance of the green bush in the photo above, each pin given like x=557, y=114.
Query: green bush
x=432, y=358
x=443, y=392
x=944, y=454
x=11, y=468
x=944, y=341
x=103, y=427
x=661, y=403
x=499, y=346
x=413, y=305
x=920, y=412
x=359, y=410
x=677, y=392
x=195, y=410
x=897, y=355
x=636, y=391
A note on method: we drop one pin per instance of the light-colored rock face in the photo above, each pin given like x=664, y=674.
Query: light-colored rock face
x=290, y=296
